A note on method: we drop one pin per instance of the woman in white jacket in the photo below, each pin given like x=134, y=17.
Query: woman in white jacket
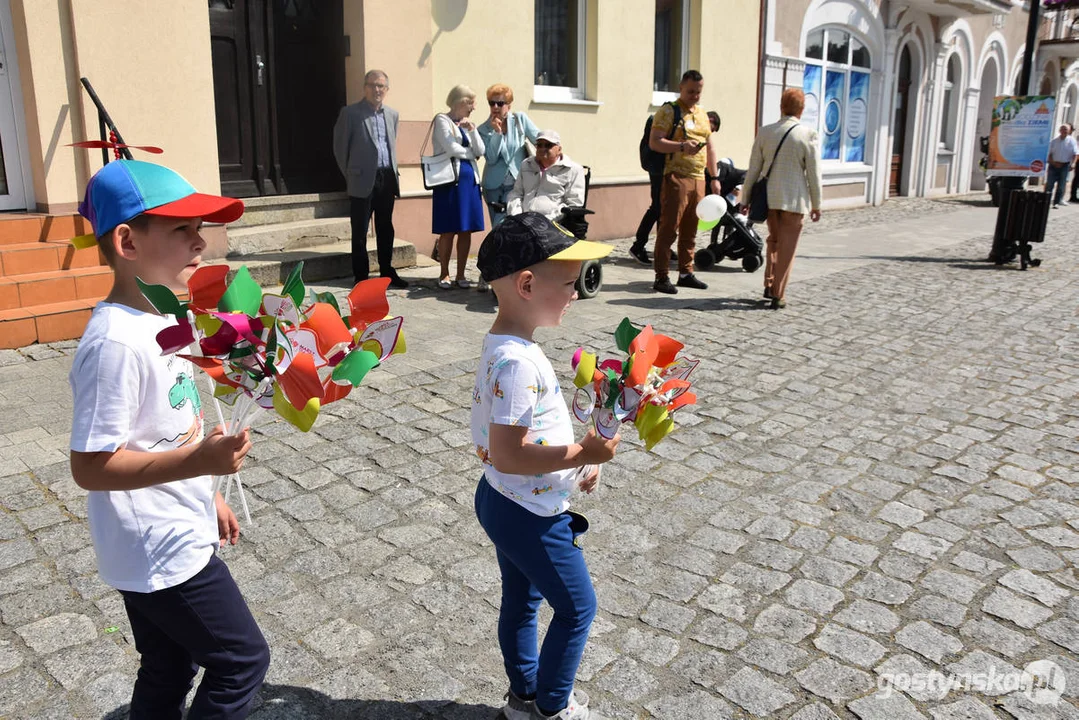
x=458, y=208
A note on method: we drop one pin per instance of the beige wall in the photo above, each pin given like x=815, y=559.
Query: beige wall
x=150, y=65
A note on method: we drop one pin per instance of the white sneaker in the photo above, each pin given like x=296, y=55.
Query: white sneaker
x=516, y=708
x=576, y=710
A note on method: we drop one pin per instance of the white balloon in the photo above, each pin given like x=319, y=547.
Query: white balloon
x=712, y=207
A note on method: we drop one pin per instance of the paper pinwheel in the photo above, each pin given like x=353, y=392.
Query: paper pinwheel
x=291, y=353
x=645, y=389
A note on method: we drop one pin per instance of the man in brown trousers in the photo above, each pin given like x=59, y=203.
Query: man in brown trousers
x=794, y=186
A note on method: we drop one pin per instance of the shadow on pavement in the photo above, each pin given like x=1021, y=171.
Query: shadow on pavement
x=287, y=702
x=651, y=301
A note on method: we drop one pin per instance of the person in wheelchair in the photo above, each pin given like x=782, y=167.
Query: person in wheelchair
x=551, y=184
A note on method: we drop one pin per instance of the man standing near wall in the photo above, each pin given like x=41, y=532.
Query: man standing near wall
x=683, y=181
x=365, y=146
x=1062, y=152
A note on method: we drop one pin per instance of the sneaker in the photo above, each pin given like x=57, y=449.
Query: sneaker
x=640, y=254
x=482, y=285
x=516, y=708
x=576, y=710
x=397, y=282
x=663, y=285
x=691, y=281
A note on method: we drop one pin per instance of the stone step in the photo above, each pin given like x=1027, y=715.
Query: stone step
x=276, y=209
x=329, y=261
x=292, y=235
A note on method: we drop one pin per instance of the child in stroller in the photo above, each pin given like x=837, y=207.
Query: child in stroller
x=734, y=237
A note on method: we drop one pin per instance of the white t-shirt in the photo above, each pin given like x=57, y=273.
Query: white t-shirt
x=127, y=395
x=516, y=385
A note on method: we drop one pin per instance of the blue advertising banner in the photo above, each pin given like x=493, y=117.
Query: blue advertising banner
x=834, y=84
x=811, y=87
x=857, y=113
x=1019, y=139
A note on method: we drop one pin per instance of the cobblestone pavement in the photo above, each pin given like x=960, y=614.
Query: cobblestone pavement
x=881, y=479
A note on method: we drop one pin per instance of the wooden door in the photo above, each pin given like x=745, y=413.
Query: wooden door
x=240, y=34
x=309, y=86
x=12, y=188
x=899, y=124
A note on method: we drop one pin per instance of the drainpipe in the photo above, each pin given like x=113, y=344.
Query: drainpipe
x=1028, y=51
x=761, y=44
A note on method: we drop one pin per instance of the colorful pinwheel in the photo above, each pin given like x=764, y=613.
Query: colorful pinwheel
x=645, y=389
x=291, y=353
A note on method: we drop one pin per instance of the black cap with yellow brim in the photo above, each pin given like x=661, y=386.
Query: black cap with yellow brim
x=521, y=241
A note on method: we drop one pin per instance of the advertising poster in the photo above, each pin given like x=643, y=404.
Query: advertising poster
x=834, y=85
x=811, y=87
x=1019, y=138
x=857, y=113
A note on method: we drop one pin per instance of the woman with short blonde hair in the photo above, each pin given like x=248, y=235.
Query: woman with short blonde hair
x=504, y=135
x=457, y=209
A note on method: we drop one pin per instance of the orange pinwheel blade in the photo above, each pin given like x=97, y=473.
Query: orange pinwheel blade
x=668, y=350
x=367, y=301
x=300, y=382
x=328, y=327
x=207, y=285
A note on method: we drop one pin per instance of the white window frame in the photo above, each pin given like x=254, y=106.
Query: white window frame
x=846, y=68
x=564, y=94
x=661, y=96
x=949, y=121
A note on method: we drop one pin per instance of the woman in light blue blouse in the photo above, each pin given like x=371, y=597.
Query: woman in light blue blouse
x=503, y=134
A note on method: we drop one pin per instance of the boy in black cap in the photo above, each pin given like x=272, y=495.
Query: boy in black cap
x=522, y=433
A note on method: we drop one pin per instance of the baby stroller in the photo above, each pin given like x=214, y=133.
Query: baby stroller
x=734, y=237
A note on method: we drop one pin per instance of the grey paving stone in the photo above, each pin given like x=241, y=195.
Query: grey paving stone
x=906, y=674
x=755, y=692
x=15, y=552
x=868, y=617
x=978, y=662
x=816, y=711
x=849, y=645
x=881, y=706
x=81, y=664
x=728, y=601
x=1036, y=558
x=626, y=678
x=755, y=579
x=958, y=587
x=810, y=595
x=928, y=641
x=828, y=679
x=784, y=623
x=827, y=571
x=922, y=545
x=1064, y=632
x=669, y=616
x=689, y=705
x=882, y=589
x=1005, y=604
x=57, y=632
x=652, y=648
x=852, y=552
x=717, y=632
x=939, y=610
x=10, y=658
x=778, y=657
x=965, y=708
x=1027, y=583
x=987, y=633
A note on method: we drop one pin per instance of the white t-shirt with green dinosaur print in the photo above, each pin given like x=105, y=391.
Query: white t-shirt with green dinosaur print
x=127, y=395
x=516, y=385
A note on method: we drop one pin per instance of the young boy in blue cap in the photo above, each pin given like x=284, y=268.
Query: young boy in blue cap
x=522, y=433
x=137, y=446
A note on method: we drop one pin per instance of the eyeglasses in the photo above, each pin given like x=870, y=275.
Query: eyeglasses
x=378, y=86
x=544, y=145
x=497, y=103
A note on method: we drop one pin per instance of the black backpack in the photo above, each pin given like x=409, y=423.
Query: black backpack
x=651, y=160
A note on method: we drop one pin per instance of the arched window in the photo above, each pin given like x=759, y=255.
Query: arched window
x=949, y=121
x=1068, y=110
x=836, y=84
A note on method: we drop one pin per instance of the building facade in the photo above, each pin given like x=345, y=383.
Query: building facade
x=901, y=92
x=242, y=94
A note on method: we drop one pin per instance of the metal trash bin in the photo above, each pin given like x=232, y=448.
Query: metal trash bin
x=1022, y=221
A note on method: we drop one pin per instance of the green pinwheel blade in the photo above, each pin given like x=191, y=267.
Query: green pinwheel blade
x=625, y=334
x=355, y=366
x=163, y=299
x=242, y=295
x=612, y=380
x=294, y=287
x=330, y=299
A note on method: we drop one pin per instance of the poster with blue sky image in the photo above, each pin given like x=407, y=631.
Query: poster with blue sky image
x=811, y=87
x=834, y=83
x=857, y=112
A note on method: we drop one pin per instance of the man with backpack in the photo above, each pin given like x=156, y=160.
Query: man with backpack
x=652, y=162
x=681, y=139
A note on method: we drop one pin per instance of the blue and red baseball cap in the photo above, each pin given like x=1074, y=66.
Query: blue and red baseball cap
x=124, y=189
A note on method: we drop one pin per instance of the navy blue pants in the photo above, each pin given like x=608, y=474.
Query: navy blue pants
x=201, y=622
x=538, y=559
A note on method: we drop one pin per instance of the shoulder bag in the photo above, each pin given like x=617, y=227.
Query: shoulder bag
x=758, y=196
x=438, y=169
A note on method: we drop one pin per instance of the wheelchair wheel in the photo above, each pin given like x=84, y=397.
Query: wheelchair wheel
x=704, y=259
x=750, y=263
x=590, y=280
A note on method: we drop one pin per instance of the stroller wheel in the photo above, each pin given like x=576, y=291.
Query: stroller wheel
x=704, y=259
x=590, y=280
x=750, y=263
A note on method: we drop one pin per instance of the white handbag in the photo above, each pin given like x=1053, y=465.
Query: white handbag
x=439, y=169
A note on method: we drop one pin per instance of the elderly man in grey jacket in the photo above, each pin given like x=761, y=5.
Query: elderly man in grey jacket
x=548, y=182
x=365, y=146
